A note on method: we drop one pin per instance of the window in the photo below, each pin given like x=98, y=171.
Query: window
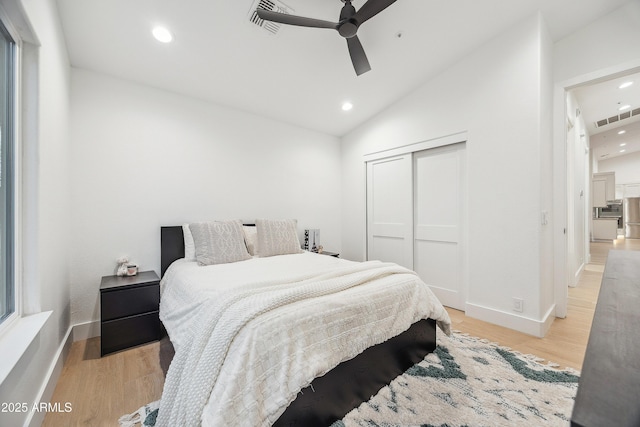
x=7, y=178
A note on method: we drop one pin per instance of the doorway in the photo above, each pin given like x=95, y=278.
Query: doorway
x=577, y=152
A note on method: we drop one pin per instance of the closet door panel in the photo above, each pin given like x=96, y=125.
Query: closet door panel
x=389, y=210
x=438, y=267
x=438, y=213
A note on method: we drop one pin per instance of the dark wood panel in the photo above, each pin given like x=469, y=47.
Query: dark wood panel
x=127, y=332
x=171, y=246
x=610, y=380
x=142, y=278
x=120, y=302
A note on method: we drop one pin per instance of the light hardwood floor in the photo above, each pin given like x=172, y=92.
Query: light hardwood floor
x=100, y=390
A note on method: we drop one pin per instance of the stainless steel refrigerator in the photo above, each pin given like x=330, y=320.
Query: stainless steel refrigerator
x=632, y=218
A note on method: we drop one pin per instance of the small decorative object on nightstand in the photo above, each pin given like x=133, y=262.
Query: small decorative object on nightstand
x=129, y=308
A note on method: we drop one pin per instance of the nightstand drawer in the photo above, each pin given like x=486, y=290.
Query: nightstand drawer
x=129, y=301
x=130, y=331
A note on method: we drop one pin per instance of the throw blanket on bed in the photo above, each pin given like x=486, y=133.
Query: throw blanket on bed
x=200, y=362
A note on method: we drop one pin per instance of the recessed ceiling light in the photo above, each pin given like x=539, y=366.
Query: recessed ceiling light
x=622, y=151
x=622, y=132
x=623, y=144
x=624, y=107
x=347, y=106
x=162, y=34
x=625, y=85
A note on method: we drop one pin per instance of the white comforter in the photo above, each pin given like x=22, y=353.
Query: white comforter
x=250, y=335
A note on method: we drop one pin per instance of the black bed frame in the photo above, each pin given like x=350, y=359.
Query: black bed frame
x=330, y=397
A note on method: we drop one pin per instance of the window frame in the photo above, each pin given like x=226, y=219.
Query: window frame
x=15, y=171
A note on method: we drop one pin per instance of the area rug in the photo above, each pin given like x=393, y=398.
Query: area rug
x=466, y=382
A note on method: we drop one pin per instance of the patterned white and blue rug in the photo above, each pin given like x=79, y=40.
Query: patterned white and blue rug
x=471, y=382
x=466, y=382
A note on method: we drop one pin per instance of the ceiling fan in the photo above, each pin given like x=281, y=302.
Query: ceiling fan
x=347, y=26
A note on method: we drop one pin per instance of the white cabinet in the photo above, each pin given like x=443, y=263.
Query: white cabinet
x=605, y=229
x=603, y=189
x=599, y=193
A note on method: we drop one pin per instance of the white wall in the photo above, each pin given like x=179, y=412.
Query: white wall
x=498, y=95
x=545, y=117
x=608, y=43
x=45, y=209
x=579, y=209
x=627, y=168
x=143, y=158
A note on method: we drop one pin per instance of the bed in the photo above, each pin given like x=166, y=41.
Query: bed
x=323, y=387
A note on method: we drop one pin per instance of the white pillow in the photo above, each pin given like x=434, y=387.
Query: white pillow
x=219, y=242
x=189, y=245
x=277, y=237
x=250, y=238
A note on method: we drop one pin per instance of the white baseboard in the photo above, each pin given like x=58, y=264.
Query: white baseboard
x=84, y=331
x=537, y=328
x=577, y=276
x=36, y=418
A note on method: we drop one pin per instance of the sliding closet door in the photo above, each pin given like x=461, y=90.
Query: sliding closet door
x=389, y=210
x=439, y=205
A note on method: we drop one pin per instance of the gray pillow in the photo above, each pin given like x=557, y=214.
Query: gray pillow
x=277, y=237
x=250, y=238
x=219, y=242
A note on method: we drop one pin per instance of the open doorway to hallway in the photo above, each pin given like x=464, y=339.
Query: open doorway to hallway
x=603, y=163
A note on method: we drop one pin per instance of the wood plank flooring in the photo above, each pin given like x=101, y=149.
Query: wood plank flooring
x=103, y=389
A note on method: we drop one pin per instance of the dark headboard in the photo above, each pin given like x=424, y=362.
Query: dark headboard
x=171, y=246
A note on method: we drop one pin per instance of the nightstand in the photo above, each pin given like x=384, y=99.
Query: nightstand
x=129, y=308
x=333, y=254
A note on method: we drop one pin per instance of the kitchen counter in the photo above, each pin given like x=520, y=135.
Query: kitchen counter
x=605, y=229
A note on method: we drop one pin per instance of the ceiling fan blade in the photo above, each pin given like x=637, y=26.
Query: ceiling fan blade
x=371, y=9
x=301, y=21
x=358, y=57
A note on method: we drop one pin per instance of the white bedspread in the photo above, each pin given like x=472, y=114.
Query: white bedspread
x=250, y=335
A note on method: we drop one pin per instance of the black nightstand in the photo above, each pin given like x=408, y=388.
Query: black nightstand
x=334, y=254
x=129, y=308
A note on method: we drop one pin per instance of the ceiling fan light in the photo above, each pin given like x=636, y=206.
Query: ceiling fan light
x=162, y=34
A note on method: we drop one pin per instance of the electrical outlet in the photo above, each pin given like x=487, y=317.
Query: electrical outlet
x=518, y=305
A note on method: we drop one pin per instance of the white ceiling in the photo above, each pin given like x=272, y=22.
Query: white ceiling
x=299, y=75
x=601, y=100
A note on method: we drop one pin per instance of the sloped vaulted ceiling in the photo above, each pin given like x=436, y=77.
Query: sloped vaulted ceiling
x=299, y=75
